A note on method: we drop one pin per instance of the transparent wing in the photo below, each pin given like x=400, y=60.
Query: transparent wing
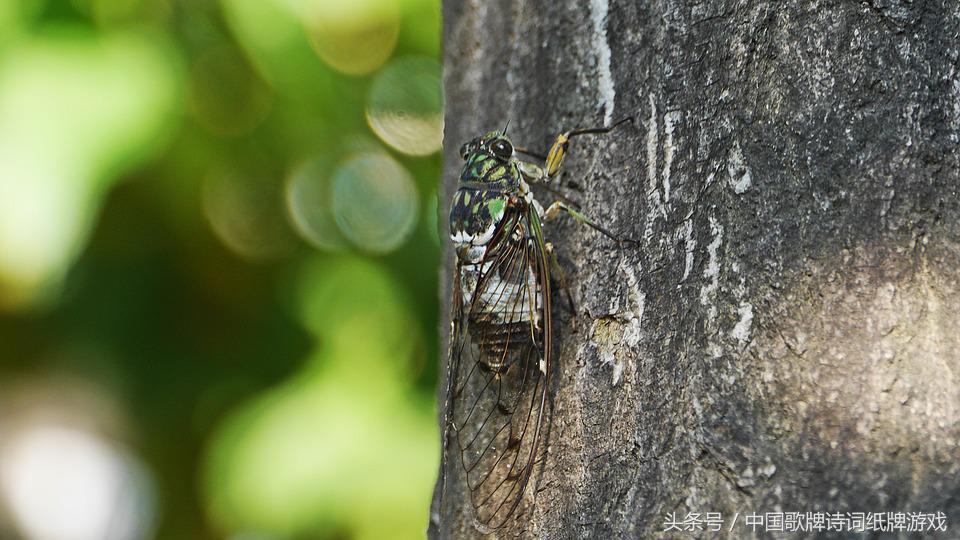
x=499, y=364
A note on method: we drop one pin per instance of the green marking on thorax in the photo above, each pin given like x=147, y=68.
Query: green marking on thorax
x=495, y=206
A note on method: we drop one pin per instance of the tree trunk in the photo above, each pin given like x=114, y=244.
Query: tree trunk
x=786, y=336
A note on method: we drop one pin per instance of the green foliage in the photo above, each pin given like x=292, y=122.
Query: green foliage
x=218, y=219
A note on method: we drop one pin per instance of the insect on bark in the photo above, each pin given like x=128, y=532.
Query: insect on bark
x=501, y=342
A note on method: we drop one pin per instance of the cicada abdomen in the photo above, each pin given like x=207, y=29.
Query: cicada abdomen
x=505, y=299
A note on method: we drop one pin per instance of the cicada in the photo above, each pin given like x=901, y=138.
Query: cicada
x=501, y=344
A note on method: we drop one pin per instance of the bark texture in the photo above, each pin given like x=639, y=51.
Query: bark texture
x=786, y=337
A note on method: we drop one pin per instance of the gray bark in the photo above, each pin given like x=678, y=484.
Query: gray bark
x=787, y=335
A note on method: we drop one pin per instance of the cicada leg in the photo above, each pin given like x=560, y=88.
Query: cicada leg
x=561, y=276
x=559, y=149
x=559, y=206
x=554, y=158
x=552, y=163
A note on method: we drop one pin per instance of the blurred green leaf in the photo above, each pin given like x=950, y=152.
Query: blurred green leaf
x=275, y=390
x=15, y=15
x=420, y=29
x=340, y=446
x=272, y=34
x=76, y=110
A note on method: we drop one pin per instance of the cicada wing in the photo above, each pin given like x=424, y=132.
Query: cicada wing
x=499, y=365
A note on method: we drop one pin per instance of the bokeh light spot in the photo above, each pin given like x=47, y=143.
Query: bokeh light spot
x=374, y=201
x=354, y=37
x=405, y=107
x=244, y=211
x=62, y=477
x=65, y=484
x=309, y=206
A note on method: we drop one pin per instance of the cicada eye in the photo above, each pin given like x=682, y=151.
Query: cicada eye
x=463, y=150
x=501, y=148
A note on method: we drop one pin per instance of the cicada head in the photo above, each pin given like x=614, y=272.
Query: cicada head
x=489, y=160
